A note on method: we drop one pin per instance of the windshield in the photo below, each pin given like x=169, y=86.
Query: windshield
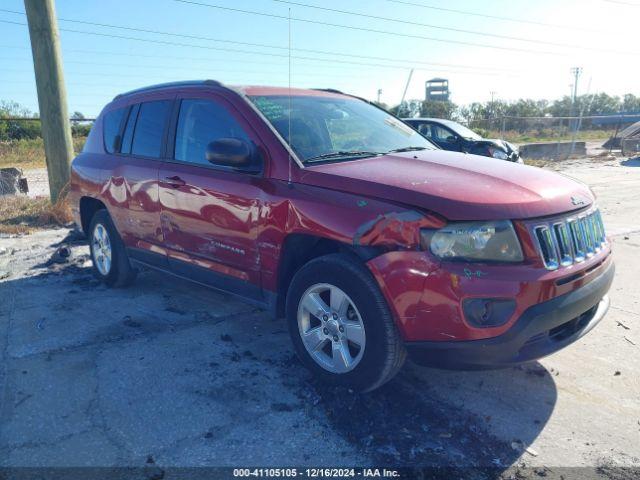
x=463, y=131
x=337, y=128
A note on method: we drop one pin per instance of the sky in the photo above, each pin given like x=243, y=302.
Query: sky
x=513, y=48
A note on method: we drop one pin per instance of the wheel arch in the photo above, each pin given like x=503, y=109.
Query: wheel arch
x=299, y=249
x=88, y=208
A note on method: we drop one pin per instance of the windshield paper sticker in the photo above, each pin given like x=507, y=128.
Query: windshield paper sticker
x=398, y=125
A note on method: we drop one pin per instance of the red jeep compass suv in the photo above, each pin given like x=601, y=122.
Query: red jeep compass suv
x=324, y=208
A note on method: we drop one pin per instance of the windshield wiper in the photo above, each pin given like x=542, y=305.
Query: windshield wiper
x=406, y=149
x=342, y=154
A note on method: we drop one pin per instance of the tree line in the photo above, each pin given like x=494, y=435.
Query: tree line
x=482, y=113
x=30, y=129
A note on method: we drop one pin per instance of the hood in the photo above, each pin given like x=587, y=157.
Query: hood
x=455, y=185
x=509, y=147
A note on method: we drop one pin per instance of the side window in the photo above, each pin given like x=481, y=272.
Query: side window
x=442, y=134
x=147, y=137
x=111, y=129
x=127, y=137
x=425, y=129
x=201, y=122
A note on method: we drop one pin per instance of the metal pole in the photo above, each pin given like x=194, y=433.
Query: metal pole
x=576, y=73
x=52, y=94
x=404, y=94
x=492, y=112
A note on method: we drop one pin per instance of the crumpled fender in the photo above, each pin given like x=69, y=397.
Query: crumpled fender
x=396, y=229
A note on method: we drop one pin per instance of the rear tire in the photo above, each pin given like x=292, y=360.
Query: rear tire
x=341, y=326
x=108, y=253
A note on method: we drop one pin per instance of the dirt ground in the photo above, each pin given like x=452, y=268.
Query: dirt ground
x=171, y=374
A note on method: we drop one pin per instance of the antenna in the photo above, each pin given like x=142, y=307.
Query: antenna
x=289, y=137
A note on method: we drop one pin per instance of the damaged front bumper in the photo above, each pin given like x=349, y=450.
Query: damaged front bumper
x=541, y=330
x=550, y=309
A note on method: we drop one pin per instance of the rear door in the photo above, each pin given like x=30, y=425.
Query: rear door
x=210, y=213
x=142, y=148
x=137, y=151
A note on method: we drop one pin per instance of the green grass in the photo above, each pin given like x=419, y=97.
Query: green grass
x=549, y=135
x=27, y=154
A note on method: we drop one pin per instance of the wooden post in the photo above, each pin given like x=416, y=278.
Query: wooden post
x=52, y=93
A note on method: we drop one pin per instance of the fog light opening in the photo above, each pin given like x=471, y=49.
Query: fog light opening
x=488, y=312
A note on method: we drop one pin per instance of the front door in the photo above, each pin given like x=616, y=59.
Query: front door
x=210, y=213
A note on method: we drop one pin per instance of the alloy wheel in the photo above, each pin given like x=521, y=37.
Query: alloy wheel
x=101, y=249
x=331, y=328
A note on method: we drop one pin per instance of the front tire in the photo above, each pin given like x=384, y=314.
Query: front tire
x=108, y=254
x=340, y=324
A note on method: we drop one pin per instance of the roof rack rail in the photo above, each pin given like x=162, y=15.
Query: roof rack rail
x=185, y=83
x=330, y=90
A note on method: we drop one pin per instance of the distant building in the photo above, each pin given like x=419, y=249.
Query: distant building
x=437, y=89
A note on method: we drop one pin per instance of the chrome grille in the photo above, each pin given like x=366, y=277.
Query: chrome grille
x=570, y=240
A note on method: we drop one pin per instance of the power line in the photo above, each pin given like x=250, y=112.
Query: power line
x=398, y=34
x=164, y=67
x=493, y=17
x=620, y=2
x=209, y=70
x=278, y=47
x=207, y=47
x=372, y=30
x=439, y=27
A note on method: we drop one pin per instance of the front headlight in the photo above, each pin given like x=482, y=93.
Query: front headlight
x=497, y=153
x=475, y=241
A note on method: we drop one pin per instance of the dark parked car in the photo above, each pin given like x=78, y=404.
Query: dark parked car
x=325, y=209
x=452, y=136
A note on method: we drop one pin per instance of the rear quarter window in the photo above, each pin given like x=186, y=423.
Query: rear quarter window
x=111, y=129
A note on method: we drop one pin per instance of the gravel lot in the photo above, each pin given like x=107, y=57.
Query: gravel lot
x=170, y=374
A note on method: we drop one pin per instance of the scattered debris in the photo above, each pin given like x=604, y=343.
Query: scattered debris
x=60, y=256
x=12, y=181
x=531, y=451
x=617, y=374
x=628, y=133
x=630, y=341
x=620, y=324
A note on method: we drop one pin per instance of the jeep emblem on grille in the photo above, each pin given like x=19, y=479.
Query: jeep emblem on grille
x=577, y=201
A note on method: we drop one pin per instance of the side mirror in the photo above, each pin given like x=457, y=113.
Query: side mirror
x=232, y=152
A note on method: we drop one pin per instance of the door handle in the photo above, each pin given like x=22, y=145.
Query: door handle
x=175, y=181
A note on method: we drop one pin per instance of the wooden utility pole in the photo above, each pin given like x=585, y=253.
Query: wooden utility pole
x=52, y=93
